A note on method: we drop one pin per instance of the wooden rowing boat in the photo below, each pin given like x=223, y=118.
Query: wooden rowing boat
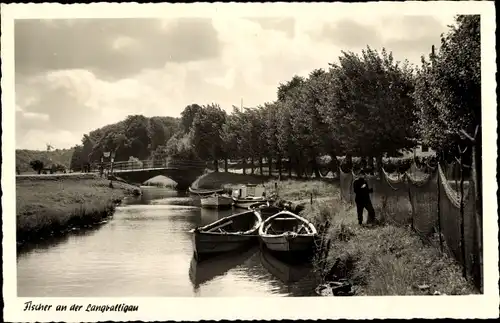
x=216, y=201
x=247, y=195
x=287, y=232
x=245, y=202
x=207, y=192
x=265, y=209
x=226, y=234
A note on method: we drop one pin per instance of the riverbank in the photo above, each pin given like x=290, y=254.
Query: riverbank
x=53, y=205
x=383, y=259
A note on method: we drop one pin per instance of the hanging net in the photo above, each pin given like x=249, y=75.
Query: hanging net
x=346, y=190
x=390, y=196
x=430, y=199
x=449, y=206
x=423, y=194
x=471, y=235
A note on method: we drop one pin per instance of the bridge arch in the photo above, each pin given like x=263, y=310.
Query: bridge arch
x=183, y=172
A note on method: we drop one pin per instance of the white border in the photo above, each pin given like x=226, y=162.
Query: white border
x=483, y=306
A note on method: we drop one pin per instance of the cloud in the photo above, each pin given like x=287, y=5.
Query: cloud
x=112, y=48
x=282, y=24
x=408, y=37
x=73, y=76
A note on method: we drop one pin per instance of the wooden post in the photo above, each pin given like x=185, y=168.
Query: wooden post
x=462, y=216
x=311, y=198
x=439, y=211
x=478, y=214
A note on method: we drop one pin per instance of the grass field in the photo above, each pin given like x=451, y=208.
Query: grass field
x=50, y=205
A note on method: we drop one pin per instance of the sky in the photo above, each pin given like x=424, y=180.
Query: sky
x=75, y=75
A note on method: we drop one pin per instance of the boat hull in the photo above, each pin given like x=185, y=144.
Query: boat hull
x=226, y=234
x=246, y=203
x=211, y=244
x=268, y=211
x=289, y=243
x=204, y=193
x=216, y=202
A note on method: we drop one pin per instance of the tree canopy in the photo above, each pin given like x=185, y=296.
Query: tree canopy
x=448, y=85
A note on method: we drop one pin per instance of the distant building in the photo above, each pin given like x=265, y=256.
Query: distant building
x=420, y=151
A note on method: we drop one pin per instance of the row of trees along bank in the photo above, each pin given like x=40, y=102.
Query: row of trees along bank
x=366, y=105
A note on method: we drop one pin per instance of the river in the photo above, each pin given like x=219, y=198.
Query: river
x=145, y=250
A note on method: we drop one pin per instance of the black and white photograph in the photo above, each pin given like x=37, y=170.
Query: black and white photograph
x=249, y=161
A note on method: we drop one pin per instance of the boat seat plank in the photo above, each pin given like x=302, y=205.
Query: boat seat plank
x=220, y=226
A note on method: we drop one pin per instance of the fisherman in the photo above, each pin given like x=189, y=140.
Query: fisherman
x=362, y=198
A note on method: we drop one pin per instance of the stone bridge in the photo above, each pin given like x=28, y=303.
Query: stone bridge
x=183, y=172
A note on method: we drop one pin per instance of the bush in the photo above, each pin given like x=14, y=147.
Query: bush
x=37, y=165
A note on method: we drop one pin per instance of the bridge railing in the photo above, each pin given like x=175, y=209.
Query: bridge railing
x=152, y=164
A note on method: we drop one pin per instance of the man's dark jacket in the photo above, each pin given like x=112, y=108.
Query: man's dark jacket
x=362, y=193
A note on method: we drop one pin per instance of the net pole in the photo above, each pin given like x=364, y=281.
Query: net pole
x=412, y=203
x=462, y=218
x=439, y=212
x=478, y=214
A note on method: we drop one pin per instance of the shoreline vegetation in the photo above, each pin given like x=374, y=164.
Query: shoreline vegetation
x=53, y=205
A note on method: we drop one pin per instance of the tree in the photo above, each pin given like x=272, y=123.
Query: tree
x=448, y=86
x=311, y=132
x=37, y=165
x=57, y=168
x=139, y=142
x=181, y=146
x=231, y=134
x=270, y=119
x=370, y=107
x=77, y=159
x=207, y=133
x=188, y=115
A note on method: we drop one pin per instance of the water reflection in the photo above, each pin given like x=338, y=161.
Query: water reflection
x=37, y=246
x=151, y=194
x=209, y=269
x=212, y=215
x=284, y=271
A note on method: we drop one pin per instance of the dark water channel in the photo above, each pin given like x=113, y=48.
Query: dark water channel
x=145, y=250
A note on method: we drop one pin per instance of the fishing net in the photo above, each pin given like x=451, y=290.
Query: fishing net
x=346, y=190
x=449, y=208
x=423, y=194
x=429, y=198
x=471, y=235
x=390, y=196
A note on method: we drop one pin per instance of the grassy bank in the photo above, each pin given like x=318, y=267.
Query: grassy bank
x=52, y=205
x=384, y=259
x=161, y=181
